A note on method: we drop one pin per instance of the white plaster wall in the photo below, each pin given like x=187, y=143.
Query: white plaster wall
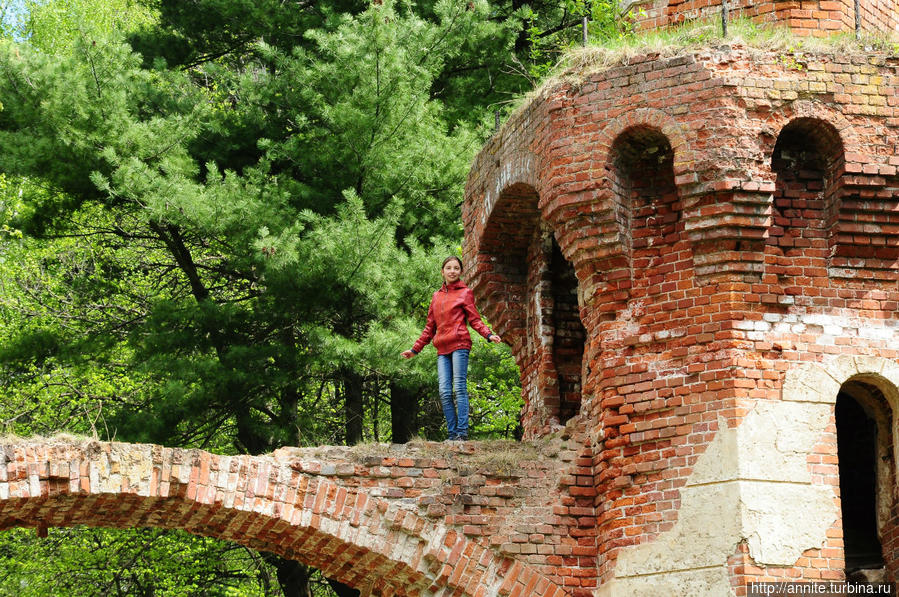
x=751, y=484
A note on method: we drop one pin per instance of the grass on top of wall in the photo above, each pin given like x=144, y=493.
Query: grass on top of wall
x=578, y=62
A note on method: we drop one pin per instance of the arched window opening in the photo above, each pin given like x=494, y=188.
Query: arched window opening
x=501, y=274
x=529, y=291
x=569, y=334
x=643, y=183
x=506, y=279
x=806, y=161
x=864, y=449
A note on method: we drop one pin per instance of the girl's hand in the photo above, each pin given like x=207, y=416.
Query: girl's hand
x=494, y=338
x=408, y=354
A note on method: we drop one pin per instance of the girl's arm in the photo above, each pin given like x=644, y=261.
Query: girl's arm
x=426, y=334
x=474, y=318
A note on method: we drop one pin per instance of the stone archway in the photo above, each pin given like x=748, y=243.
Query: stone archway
x=864, y=435
x=356, y=529
x=872, y=384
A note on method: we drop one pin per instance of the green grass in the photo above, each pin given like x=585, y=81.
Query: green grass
x=58, y=438
x=707, y=32
x=579, y=62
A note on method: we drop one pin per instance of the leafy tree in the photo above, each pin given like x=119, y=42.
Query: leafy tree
x=553, y=28
x=224, y=240
x=103, y=563
x=54, y=26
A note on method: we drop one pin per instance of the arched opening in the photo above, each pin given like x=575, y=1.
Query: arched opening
x=857, y=437
x=807, y=160
x=643, y=183
x=568, y=334
x=555, y=335
x=529, y=291
x=501, y=275
x=865, y=455
x=502, y=282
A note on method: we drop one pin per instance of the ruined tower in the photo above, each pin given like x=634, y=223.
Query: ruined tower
x=695, y=258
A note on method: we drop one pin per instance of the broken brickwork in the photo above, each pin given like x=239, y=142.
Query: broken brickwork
x=816, y=18
x=422, y=519
x=731, y=217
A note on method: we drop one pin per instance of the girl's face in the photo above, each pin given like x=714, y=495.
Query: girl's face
x=451, y=271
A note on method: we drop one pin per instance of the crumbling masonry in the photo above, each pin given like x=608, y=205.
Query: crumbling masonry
x=695, y=259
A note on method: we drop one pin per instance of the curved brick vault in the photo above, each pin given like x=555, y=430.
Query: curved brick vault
x=412, y=520
x=668, y=243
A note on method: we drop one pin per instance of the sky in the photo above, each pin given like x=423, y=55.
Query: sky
x=12, y=14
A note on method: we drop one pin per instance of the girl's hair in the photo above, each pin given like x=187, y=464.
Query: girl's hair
x=450, y=258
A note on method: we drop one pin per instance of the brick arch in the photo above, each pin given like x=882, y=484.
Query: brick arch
x=634, y=125
x=500, y=280
x=824, y=124
x=501, y=225
x=652, y=118
x=836, y=119
x=520, y=241
x=642, y=213
x=859, y=242
x=821, y=121
x=807, y=162
x=353, y=534
x=531, y=292
x=510, y=170
x=825, y=138
x=591, y=205
x=643, y=188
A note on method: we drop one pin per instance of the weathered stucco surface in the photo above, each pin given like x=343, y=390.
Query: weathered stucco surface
x=751, y=485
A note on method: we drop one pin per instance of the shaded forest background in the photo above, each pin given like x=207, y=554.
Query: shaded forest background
x=220, y=224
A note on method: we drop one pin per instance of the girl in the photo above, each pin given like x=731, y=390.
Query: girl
x=451, y=308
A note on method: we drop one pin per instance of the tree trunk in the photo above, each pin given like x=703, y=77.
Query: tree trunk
x=352, y=396
x=403, y=413
x=342, y=590
x=288, y=418
x=521, y=40
x=292, y=576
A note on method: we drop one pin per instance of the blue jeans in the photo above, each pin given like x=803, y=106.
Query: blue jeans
x=452, y=376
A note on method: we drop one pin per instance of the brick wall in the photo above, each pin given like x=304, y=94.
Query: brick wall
x=496, y=519
x=729, y=215
x=803, y=17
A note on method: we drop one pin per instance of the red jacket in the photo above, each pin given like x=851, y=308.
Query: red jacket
x=451, y=308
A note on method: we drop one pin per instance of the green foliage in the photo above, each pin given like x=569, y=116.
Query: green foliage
x=192, y=33
x=54, y=26
x=63, y=353
x=554, y=29
x=220, y=223
x=104, y=563
x=362, y=118
x=495, y=393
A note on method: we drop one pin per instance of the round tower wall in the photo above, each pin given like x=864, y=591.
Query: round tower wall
x=731, y=217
